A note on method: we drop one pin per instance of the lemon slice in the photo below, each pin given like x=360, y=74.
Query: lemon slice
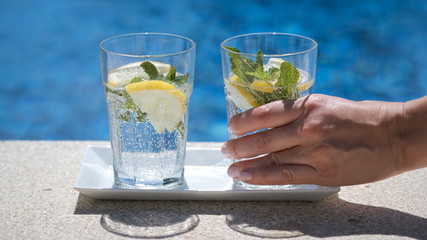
x=123, y=75
x=241, y=97
x=304, y=86
x=163, y=103
x=262, y=86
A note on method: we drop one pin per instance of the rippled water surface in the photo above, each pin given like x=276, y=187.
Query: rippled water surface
x=50, y=77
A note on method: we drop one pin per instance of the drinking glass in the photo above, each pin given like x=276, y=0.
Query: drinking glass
x=148, y=80
x=260, y=68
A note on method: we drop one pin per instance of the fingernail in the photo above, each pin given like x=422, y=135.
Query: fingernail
x=224, y=150
x=245, y=176
x=286, y=175
x=233, y=171
x=230, y=129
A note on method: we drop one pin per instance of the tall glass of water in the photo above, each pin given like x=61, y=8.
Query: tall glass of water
x=264, y=67
x=148, y=80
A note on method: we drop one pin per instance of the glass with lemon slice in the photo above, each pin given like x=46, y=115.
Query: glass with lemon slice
x=264, y=67
x=148, y=80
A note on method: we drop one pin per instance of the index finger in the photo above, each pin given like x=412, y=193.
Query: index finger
x=270, y=115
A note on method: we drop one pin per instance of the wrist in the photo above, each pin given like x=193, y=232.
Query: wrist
x=411, y=135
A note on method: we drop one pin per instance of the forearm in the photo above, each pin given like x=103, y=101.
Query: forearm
x=413, y=135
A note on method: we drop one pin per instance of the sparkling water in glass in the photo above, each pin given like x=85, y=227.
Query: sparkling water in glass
x=148, y=80
x=252, y=66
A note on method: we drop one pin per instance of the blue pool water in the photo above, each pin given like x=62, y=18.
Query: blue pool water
x=50, y=77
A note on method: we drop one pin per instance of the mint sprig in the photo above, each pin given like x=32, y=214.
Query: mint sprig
x=241, y=65
x=248, y=71
x=259, y=73
x=273, y=72
x=171, y=76
x=181, y=129
x=131, y=106
x=150, y=70
x=288, y=79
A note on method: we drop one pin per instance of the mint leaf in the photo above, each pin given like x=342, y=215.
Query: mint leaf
x=267, y=97
x=260, y=75
x=241, y=65
x=180, y=128
x=151, y=70
x=272, y=72
x=182, y=79
x=259, y=63
x=171, y=74
x=129, y=104
x=248, y=70
x=288, y=75
x=125, y=117
x=108, y=89
x=288, y=79
x=140, y=116
x=135, y=80
x=171, y=77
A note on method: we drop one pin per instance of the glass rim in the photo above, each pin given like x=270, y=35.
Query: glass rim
x=193, y=44
x=270, y=33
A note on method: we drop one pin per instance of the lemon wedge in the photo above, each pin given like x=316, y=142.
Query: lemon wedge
x=163, y=103
x=241, y=97
x=123, y=75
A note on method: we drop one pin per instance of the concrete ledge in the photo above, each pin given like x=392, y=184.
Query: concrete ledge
x=37, y=200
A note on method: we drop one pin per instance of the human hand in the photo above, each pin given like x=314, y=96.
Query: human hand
x=317, y=139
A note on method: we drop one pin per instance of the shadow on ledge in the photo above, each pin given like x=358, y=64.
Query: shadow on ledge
x=140, y=219
x=331, y=217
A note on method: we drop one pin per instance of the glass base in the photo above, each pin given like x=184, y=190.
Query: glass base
x=162, y=184
x=243, y=185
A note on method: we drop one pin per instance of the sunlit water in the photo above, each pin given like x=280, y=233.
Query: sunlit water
x=50, y=73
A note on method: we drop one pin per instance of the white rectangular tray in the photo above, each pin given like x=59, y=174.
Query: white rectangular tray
x=205, y=179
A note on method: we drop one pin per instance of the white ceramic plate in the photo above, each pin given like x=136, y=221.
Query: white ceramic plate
x=205, y=179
